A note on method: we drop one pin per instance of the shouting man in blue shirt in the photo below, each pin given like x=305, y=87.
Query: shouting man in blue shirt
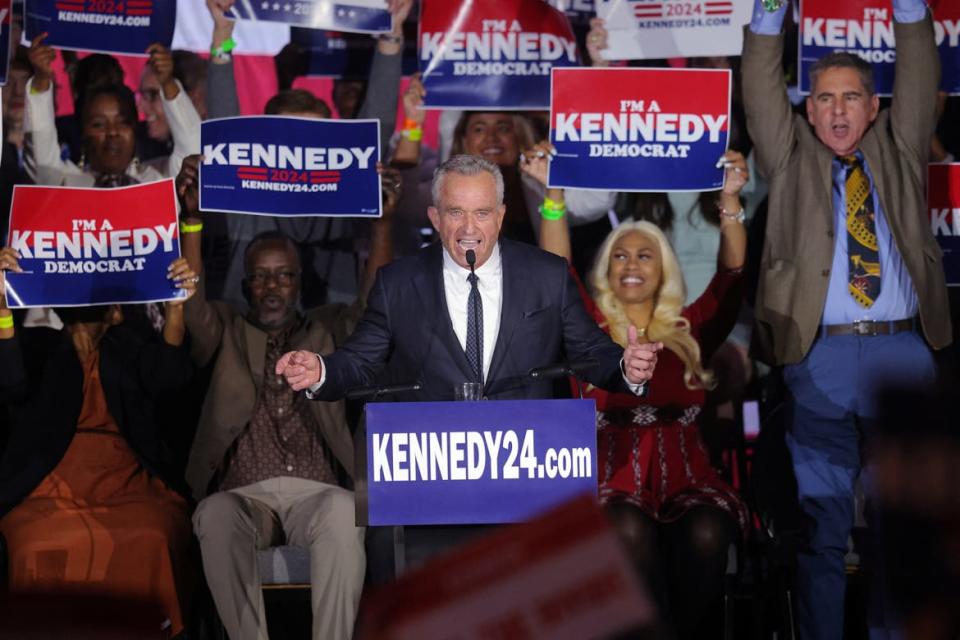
x=852, y=293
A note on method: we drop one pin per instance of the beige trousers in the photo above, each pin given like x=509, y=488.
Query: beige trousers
x=233, y=525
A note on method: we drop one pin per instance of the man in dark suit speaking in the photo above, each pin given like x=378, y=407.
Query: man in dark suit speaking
x=440, y=322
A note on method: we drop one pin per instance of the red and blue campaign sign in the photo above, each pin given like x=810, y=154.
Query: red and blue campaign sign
x=472, y=463
x=495, y=54
x=639, y=129
x=865, y=28
x=93, y=246
x=6, y=9
x=281, y=165
x=944, y=201
x=358, y=16
x=107, y=26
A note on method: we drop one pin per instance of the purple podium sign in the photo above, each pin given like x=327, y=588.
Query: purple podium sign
x=431, y=463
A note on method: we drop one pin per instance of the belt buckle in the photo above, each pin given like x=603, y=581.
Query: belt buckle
x=865, y=328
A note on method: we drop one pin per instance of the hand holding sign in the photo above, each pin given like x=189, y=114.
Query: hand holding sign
x=535, y=162
x=736, y=175
x=9, y=261
x=41, y=59
x=187, y=184
x=639, y=359
x=161, y=62
x=302, y=369
x=183, y=278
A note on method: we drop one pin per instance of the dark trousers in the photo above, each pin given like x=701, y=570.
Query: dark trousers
x=834, y=409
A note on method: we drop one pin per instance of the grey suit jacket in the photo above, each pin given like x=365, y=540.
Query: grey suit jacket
x=218, y=331
x=798, y=253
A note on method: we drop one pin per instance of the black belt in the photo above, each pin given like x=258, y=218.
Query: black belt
x=869, y=328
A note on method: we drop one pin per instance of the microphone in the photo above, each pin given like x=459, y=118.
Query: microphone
x=362, y=393
x=471, y=261
x=562, y=369
x=572, y=369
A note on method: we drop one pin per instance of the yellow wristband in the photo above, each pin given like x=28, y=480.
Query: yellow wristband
x=191, y=228
x=553, y=204
x=6, y=322
x=413, y=135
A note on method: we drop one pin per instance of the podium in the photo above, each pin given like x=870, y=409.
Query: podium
x=440, y=472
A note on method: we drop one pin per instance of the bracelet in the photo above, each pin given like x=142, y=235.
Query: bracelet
x=191, y=228
x=225, y=47
x=6, y=322
x=553, y=204
x=738, y=216
x=389, y=37
x=410, y=123
x=552, y=210
x=413, y=135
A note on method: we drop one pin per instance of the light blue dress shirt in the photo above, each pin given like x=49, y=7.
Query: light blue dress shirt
x=897, y=299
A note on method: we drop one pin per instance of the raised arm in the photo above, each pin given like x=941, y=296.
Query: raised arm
x=916, y=79
x=554, y=234
x=13, y=376
x=383, y=87
x=181, y=115
x=41, y=147
x=200, y=317
x=222, y=101
x=770, y=118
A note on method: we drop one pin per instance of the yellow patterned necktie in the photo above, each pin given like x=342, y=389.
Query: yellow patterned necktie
x=863, y=254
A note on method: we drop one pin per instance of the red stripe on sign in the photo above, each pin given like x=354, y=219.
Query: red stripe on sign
x=139, y=3
x=322, y=174
x=718, y=12
x=718, y=5
x=253, y=169
x=325, y=181
x=257, y=178
x=139, y=12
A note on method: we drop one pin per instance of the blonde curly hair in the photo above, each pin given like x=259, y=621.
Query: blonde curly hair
x=666, y=325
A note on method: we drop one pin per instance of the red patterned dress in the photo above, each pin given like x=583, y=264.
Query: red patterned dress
x=649, y=449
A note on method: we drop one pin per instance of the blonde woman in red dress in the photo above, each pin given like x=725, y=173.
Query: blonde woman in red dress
x=673, y=510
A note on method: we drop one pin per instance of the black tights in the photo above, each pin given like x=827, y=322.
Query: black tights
x=682, y=562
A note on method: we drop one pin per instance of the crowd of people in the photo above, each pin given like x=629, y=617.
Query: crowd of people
x=129, y=430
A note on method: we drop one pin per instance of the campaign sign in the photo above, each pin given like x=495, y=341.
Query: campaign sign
x=944, y=201
x=6, y=11
x=280, y=165
x=344, y=55
x=640, y=29
x=564, y=575
x=477, y=462
x=358, y=16
x=578, y=12
x=639, y=129
x=93, y=246
x=495, y=54
x=106, y=26
x=865, y=28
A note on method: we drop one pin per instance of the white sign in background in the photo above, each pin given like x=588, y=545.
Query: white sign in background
x=642, y=29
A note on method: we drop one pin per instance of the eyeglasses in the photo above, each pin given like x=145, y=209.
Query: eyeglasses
x=282, y=278
x=149, y=95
